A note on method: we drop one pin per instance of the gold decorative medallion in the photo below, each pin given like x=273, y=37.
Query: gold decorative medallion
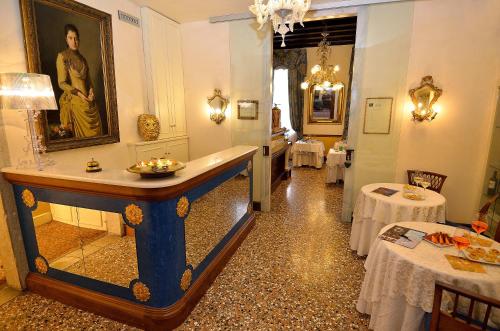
x=182, y=207
x=249, y=166
x=134, y=214
x=41, y=265
x=28, y=198
x=148, y=126
x=187, y=276
x=141, y=292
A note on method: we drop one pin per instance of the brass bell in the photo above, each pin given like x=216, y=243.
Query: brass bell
x=93, y=166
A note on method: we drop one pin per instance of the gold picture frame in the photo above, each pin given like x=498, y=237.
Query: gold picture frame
x=87, y=114
x=248, y=109
x=337, y=105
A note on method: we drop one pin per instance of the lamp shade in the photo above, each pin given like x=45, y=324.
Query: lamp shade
x=26, y=91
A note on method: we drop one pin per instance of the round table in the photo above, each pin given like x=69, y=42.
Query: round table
x=335, y=165
x=398, y=287
x=373, y=211
x=309, y=153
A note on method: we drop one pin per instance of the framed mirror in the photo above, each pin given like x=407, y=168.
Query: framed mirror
x=423, y=98
x=326, y=105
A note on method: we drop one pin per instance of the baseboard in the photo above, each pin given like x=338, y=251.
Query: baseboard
x=136, y=314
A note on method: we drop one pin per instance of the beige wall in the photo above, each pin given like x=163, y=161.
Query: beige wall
x=340, y=55
x=251, y=79
x=380, y=70
x=458, y=43
x=130, y=82
x=206, y=61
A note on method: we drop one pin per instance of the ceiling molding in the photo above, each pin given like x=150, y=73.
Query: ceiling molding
x=317, y=7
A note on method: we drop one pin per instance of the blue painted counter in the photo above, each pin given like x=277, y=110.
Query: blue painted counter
x=167, y=288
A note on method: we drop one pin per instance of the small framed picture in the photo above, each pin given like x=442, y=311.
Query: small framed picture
x=378, y=115
x=248, y=109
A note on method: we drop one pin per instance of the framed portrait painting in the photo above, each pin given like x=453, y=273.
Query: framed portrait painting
x=72, y=43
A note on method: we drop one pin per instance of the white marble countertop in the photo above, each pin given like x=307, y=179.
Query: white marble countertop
x=121, y=177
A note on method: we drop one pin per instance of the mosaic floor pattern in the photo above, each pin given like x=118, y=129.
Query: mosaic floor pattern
x=294, y=271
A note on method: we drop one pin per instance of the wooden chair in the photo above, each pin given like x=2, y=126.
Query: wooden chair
x=436, y=180
x=483, y=212
x=442, y=321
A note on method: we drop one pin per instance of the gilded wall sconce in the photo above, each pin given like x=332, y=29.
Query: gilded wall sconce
x=218, y=105
x=424, y=100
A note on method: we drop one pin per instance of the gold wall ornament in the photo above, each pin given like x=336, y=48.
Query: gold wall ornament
x=182, y=207
x=424, y=100
x=148, y=126
x=187, y=276
x=141, y=292
x=218, y=105
x=134, y=214
x=41, y=265
x=28, y=198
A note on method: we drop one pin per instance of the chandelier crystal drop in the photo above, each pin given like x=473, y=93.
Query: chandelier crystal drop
x=323, y=75
x=282, y=13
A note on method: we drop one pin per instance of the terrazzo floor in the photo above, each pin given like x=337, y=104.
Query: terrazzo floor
x=294, y=271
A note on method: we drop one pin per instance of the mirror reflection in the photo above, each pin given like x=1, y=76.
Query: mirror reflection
x=213, y=215
x=325, y=104
x=86, y=242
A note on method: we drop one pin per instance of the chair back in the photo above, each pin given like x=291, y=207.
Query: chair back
x=443, y=321
x=436, y=180
x=484, y=209
x=483, y=212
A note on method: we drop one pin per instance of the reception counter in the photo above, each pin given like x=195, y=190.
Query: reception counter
x=140, y=251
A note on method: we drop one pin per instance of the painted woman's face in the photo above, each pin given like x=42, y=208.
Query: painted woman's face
x=72, y=40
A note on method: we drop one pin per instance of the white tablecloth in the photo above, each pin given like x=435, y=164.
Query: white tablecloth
x=399, y=282
x=310, y=153
x=373, y=211
x=335, y=165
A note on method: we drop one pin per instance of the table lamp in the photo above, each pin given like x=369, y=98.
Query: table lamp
x=33, y=93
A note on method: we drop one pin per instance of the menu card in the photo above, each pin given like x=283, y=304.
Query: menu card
x=385, y=191
x=403, y=236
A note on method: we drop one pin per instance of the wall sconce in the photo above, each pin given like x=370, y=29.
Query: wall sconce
x=218, y=105
x=424, y=100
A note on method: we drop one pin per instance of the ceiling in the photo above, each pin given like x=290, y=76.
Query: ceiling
x=342, y=31
x=184, y=11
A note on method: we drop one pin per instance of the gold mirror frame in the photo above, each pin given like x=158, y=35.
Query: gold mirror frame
x=340, y=106
x=217, y=100
x=427, y=83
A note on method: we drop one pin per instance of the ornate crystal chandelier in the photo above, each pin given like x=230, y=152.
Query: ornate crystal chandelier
x=323, y=75
x=283, y=13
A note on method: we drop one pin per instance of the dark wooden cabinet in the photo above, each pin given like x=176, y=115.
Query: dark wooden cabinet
x=279, y=167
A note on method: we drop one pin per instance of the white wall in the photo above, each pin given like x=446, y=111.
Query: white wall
x=458, y=43
x=380, y=70
x=130, y=84
x=206, y=62
x=340, y=55
x=251, y=78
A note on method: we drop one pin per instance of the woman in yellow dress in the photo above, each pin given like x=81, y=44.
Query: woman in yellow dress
x=78, y=110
